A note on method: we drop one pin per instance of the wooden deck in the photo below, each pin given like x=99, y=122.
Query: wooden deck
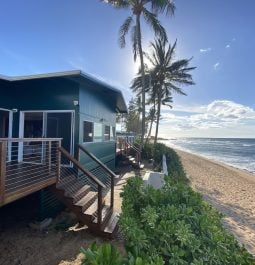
x=23, y=173
x=25, y=178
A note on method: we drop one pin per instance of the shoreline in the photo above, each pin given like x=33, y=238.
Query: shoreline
x=212, y=159
x=229, y=189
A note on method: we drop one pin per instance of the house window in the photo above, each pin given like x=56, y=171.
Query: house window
x=87, y=131
x=98, y=130
x=112, y=133
x=107, y=133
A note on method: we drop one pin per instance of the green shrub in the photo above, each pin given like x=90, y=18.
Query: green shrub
x=175, y=223
x=107, y=254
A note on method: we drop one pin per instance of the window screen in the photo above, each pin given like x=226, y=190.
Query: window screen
x=107, y=133
x=87, y=131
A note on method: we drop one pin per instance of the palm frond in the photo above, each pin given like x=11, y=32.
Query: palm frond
x=163, y=6
x=124, y=30
x=134, y=40
x=152, y=20
x=118, y=4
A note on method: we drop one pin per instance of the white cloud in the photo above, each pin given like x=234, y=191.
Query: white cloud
x=220, y=118
x=205, y=50
x=216, y=66
x=227, y=46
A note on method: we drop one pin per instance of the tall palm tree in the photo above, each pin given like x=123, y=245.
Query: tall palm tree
x=149, y=9
x=167, y=76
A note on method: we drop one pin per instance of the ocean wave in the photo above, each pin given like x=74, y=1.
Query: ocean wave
x=233, y=152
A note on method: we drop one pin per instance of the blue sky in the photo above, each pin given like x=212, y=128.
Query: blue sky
x=44, y=36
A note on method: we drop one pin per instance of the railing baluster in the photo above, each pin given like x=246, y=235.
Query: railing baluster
x=99, y=206
x=58, y=161
x=49, y=156
x=3, y=149
x=112, y=191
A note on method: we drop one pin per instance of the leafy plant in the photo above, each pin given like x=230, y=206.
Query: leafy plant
x=107, y=254
x=175, y=223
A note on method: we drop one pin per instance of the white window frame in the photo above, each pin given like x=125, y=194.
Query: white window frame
x=45, y=112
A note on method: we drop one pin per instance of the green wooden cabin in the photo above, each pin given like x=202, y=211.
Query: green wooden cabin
x=72, y=106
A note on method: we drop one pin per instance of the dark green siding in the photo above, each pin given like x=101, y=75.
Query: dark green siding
x=97, y=107
x=37, y=94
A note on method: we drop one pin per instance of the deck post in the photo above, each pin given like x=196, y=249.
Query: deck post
x=49, y=157
x=112, y=191
x=58, y=161
x=99, y=206
x=3, y=149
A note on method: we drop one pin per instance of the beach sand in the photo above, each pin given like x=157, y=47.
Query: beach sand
x=230, y=190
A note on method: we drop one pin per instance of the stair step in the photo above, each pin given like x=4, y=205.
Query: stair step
x=78, y=192
x=112, y=223
x=92, y=210
x=141, y=166
x=131, y=159
x=87, y=200
x=106, y=214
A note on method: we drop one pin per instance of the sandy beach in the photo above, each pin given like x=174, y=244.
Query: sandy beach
x=230, y=190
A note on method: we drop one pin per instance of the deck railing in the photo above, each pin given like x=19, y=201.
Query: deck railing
x=27, y=165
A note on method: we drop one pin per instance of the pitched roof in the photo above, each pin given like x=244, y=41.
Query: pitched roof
x=79, y=77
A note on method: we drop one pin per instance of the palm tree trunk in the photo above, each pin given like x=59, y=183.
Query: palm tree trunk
x=143, y=74
x=149, y=134
x=158, y=116
x=152, y=120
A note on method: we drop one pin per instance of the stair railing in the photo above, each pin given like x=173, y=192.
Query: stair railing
x=106, y=170
x=136, y=150
x=91, y=180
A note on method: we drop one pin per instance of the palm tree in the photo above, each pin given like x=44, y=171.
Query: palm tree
x=166, y=75
x=149, y=9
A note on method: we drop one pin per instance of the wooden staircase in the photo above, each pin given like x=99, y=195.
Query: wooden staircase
x=133, y=154
x=89, y=198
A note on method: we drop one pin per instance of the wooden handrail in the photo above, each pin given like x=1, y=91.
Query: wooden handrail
x=98, y=161
x=81, y=168
x=29, y=139
x=136, y=150
x=132, y=146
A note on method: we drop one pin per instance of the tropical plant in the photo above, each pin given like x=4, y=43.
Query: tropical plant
x=107, y=254
x=132, y=121
x=166, y=75
x=175, y=223
x=149, y=9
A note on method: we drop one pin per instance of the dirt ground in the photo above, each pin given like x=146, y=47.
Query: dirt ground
x=57, y=245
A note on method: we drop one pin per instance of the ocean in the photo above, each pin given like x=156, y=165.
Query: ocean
x=236, y=152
